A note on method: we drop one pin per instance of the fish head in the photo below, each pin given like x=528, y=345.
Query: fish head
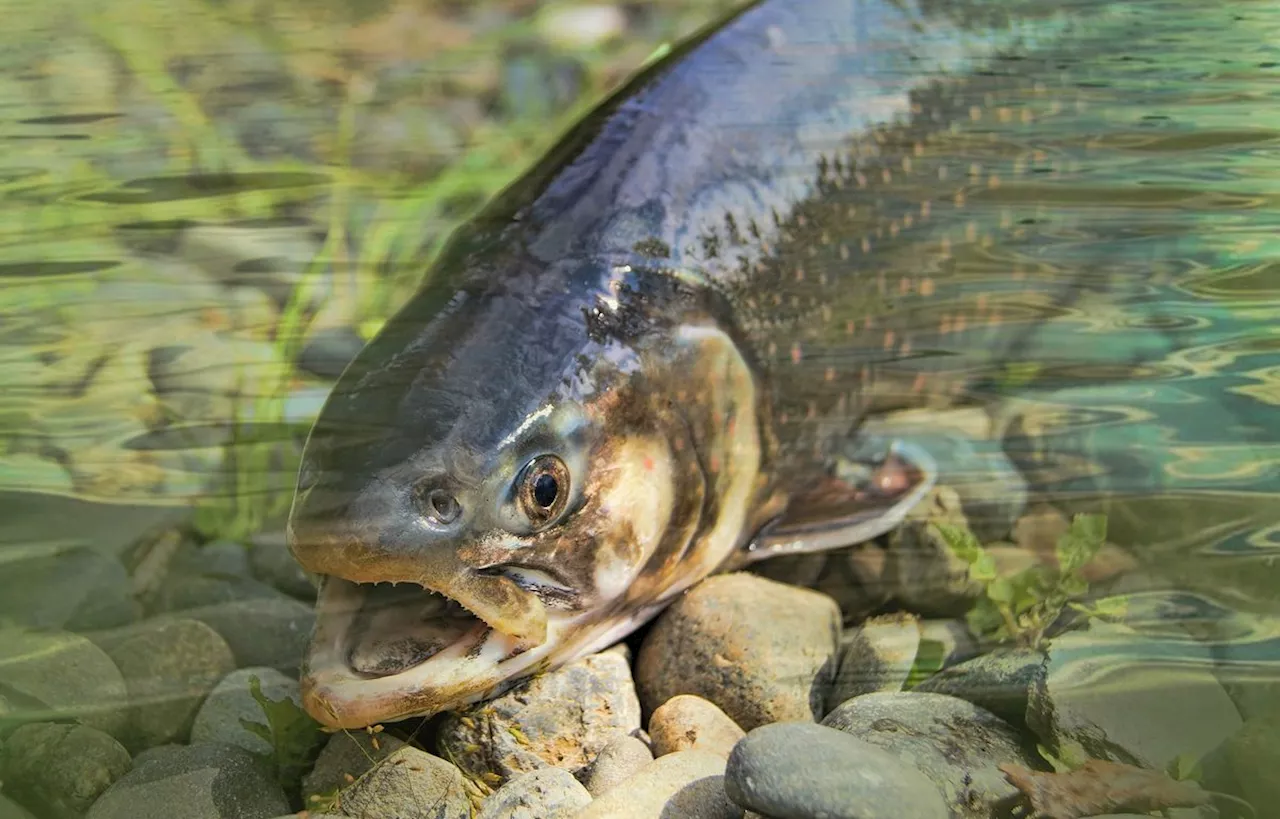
x=509, y=477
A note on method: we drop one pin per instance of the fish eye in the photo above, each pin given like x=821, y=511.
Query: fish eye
x=544, y=488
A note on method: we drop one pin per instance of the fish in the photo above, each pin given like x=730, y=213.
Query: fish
x=657, y=354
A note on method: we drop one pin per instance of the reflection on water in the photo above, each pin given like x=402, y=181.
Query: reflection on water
x=166, y=259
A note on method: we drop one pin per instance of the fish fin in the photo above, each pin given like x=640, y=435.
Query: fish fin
x=867, y=496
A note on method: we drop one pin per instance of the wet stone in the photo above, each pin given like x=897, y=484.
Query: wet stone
x=687, y=723
x=74, y=589
x=207, y=575
x=875, y=656
x=269, y=258
x=346, y=757
x=616, y=762
x=193, y=782
x=1253, y=756
x=855, y=577
x=1000, y=682
x=948, y=642
x=797, y=770
x=274, y=564
x=926, y=576
x=265, y=631
x=563, y=718
x=409, y=784
x=58, y=675
x=12, y=810
x=58, y=769
x=956, y=744
x=1113, y=694
x=1039, y=529
x=219, y=558
x=686, y=784
x=201, y=378
x=169, y=668
x=761, y=651
x=547, y=793
x=219, y=717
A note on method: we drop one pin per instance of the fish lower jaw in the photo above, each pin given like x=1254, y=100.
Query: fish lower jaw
x=382, y=653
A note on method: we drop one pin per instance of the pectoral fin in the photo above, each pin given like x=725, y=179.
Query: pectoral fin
x=868, y=494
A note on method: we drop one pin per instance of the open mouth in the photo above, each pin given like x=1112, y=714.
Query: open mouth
x=385, y=650
x=398, y=626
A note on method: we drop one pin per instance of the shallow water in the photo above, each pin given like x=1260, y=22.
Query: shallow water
x=167, y=187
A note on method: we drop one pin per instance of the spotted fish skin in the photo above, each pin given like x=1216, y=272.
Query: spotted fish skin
x=687, y=307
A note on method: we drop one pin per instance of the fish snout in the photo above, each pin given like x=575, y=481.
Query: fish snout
x=337, y=530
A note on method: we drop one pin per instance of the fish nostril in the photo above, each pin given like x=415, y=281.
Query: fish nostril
x=441, y=507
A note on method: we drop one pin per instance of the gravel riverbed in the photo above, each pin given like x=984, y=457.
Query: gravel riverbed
x=749, y=696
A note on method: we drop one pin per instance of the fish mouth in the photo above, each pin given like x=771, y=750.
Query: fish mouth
x=389, y=649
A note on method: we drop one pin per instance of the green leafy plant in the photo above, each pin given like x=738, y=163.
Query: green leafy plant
x=1020, y=607
x=291, y=733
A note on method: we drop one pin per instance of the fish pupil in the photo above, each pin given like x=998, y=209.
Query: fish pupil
x=545, y=490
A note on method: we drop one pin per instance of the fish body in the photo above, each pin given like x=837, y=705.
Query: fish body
x=650, y=358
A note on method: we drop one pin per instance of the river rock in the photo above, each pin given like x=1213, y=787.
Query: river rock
x=855, y=577
x=206, y=576
x=1000, y=682
x=875, y=656
x=926, y=576
x=1039, y=529
x=266, y=631
x=956, y=744
x=193, y=782
x=685, y=784
x=408, y=784
x=272, y=258
x=1113, y=694
x=760, y=650
x=60, y=769
x=948, y=642
x=75, y=589
x=688, y=723
x=12, y=810
x=169, y=667
x=1253, y=757
x=52, y=675
x=201, y=377
x=345, y=758
x=616, y=762
x=273, y=563
x=562, y=718
x=798, y=770
x=547, y=793
x=219, y=717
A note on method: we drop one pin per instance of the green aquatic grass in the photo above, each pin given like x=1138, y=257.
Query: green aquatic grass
x=294, y=737
x=1020, y=607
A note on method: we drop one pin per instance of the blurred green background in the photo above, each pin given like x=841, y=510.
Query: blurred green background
x=206, y=206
